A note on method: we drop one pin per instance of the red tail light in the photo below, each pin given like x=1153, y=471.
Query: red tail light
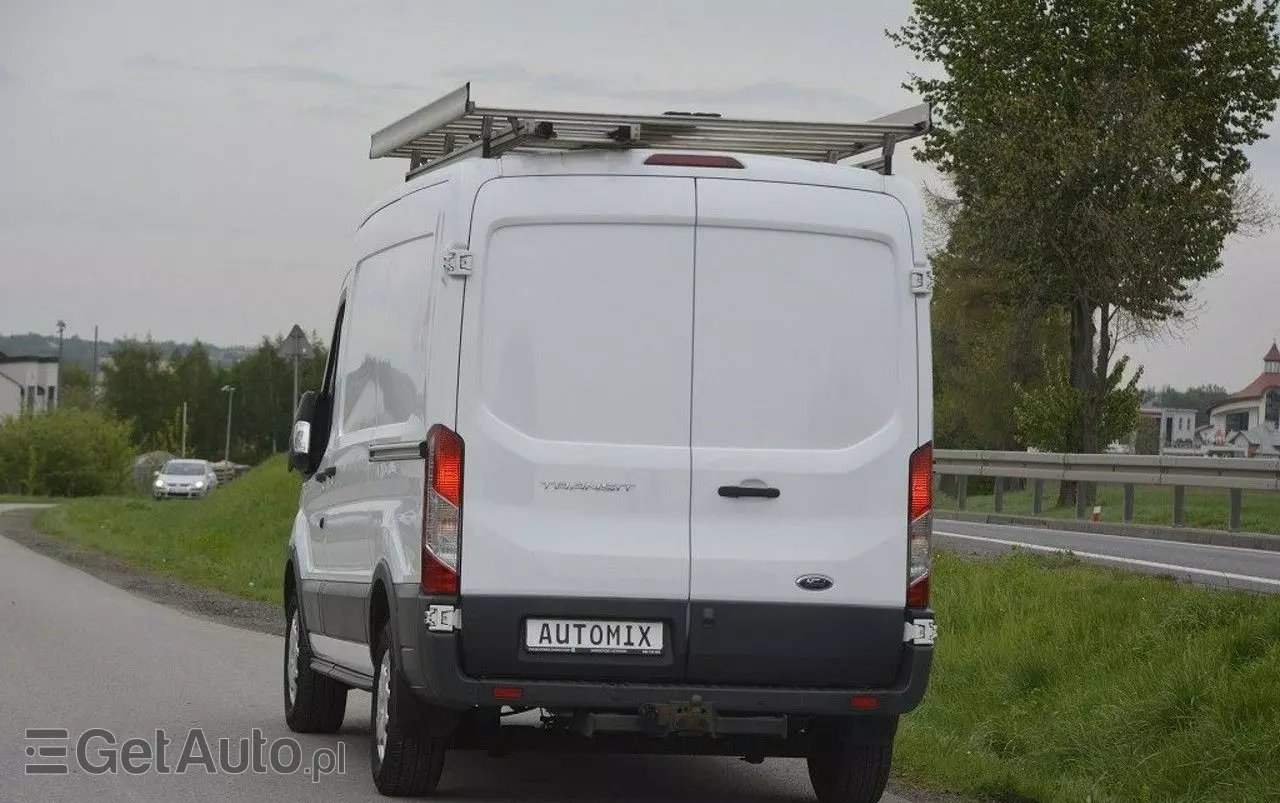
x=692, y=160
x=919, y=525
x=921, y=482
x=446, y=465
x=442, y=512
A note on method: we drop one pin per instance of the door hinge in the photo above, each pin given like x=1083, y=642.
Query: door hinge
x=920, y=631
x=459, y=262
x=443, y=618
x=922, y=282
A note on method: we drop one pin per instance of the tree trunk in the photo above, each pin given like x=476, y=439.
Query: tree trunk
x=1098, y=392
x=1085, y=439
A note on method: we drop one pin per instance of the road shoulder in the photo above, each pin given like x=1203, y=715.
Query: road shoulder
x=19, y=527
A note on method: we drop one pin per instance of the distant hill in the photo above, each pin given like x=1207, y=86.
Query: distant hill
x=78, y=351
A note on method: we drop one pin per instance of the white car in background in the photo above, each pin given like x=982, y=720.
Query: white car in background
x=184, y=479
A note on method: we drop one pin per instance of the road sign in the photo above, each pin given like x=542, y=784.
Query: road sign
x=295, y=347
x=295, y=344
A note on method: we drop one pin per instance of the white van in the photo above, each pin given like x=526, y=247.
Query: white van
x=627, y=421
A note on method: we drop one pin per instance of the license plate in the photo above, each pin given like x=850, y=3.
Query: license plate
x=593, y=637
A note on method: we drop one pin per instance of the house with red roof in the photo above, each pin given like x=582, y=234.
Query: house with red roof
x=1251, y=417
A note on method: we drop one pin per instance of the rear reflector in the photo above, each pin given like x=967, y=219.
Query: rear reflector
x=863, y=703
x=692, y=160
x=437, y=578
x=508, y=693
x=918, y=593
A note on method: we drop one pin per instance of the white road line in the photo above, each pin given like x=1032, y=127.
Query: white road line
x=1130, y=561
x=1128, y=539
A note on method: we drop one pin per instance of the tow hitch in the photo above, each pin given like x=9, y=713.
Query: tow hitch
x=694, y=718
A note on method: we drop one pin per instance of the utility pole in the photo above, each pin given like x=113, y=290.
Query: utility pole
x=184, y=429
x=93, y=380
x=231, y=394
x=62, y=327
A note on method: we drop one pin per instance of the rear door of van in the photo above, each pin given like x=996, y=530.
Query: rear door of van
x=574, y=406
x=804, y=416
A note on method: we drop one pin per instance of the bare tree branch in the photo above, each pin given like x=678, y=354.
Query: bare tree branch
x=1254, y=208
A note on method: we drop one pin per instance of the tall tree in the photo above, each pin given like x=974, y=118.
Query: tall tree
x=139, y=388
x=198, y=384
x=983, y=349
x=1096, y=152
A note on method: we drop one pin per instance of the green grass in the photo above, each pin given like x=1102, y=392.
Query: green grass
x=1204, y=507
x=1054, y=681
x=234, y=541
x=1061, y=682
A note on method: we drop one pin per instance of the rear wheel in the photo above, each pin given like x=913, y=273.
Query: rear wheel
x=846, y=769
x=313, y=703
x=406, y=761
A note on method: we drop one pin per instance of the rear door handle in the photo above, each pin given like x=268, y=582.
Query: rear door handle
x=749, y=491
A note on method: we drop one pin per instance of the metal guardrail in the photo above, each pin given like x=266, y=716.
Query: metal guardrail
x=1233, y=474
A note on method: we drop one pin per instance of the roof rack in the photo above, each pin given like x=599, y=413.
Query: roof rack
x=455, y=127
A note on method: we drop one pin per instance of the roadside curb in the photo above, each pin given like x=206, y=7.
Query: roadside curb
x=1189, y=535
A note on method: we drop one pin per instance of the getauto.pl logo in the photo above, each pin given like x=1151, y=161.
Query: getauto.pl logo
x=99, y=751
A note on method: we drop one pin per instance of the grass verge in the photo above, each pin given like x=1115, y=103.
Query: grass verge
x=234, y=541
x=1057, y=681
x=1054, y=681
x=1205, y=508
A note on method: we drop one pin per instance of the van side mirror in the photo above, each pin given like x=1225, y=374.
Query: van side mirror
x=300, y=457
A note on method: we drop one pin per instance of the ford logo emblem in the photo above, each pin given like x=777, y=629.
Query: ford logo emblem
x=815, y=582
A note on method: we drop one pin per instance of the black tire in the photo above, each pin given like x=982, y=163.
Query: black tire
x=843, y=770
x=320, y=703
x=412, y=760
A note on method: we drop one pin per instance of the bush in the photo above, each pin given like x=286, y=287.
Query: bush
x=66, y=452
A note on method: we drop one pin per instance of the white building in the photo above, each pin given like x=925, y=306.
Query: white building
x=27, y=383
x=1249, y=409
x=1177, y=426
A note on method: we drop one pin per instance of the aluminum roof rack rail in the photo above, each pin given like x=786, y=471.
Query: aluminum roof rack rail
x=455, y=127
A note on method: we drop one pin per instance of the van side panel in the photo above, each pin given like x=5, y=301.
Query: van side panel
x=422, y=310
x=804, y=382
x=574, y=407
x=393, y=347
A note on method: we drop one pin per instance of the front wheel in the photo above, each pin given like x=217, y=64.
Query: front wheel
x=406, y=761
x=847, y=769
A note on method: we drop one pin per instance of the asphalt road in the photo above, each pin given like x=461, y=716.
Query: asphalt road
x=1245, y=569
x=80, y=654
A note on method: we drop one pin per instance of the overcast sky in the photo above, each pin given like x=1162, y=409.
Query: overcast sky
x=196, y=170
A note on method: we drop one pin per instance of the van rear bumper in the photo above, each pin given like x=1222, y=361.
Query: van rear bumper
x=432, y=665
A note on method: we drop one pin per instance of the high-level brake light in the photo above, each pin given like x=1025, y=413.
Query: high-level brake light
x=442, y=512
x=919, y=525
x=693, y=160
